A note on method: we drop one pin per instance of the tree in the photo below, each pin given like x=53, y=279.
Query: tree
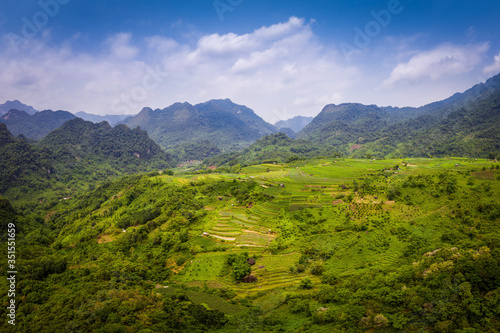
x=306, y=284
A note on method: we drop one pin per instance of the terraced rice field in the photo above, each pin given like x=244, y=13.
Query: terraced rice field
x=307, y=185
x=275, y=275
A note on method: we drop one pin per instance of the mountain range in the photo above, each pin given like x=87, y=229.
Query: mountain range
x=225, y=124
x=466, y=124
x=17, y=105
x=296, y=124
x=78, y=153
x=37, y=125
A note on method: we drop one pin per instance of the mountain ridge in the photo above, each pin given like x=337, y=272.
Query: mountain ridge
x=296, y=123
x=16, y=104
x=95, y=118
x=227, y=125
x=37, y=125
x=384, y=129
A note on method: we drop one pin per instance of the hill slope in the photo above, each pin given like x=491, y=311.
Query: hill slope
x=333, y=245
x=20, y=164
x=465, y=124
x=35, y=126
x=17, y=105
x=120, y=146
x=272, y=148
x=225, y=124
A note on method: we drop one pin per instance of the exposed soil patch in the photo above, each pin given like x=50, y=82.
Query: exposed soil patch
x=354, y=147
x=224, y=238
x=105, y=239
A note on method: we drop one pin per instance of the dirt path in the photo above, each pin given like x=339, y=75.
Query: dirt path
x=224, y=238
x=259, y=233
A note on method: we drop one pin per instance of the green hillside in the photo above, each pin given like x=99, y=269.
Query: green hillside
x=224, y=124
x=465, y=124
x=77, y=156
x=22, y=166
x=273, y=148
x=339, y=245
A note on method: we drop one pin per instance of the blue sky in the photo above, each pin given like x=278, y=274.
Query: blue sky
x=280, y=58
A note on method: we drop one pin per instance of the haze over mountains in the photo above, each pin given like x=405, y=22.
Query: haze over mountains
x=466, y=123
x=17, y=105
x=95, y=118
x=296, y=123
x=37, y=125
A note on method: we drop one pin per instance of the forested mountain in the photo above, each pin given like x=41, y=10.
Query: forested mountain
x=17, y=105
x=465, y=124
x=469, y=131
x=77, y=155
x=227, y=125
x=296, y=123
x=288, y=131
x=111, y=119
x=339, y=125
x=22, y=166
x=122, y=147
x=34, y=126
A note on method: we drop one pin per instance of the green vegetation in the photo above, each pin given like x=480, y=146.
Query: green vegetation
x=463, y=125
x=273, y=148
x=35, y=126
x=333, y=245
x=75, y=157
x=186, y=128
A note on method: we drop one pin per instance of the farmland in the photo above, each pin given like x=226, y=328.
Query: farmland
x=347, y=217
x=322, y=243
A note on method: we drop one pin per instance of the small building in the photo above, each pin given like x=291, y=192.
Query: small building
x=251, y=261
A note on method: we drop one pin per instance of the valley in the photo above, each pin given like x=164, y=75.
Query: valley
x=207, y=218
x=336, y=243
x=250, y=166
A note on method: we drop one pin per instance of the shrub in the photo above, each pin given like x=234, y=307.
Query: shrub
x=306, y=284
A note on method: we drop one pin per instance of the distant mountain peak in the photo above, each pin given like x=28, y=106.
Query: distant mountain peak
x=111, y=119
x=15, y=114
x=219, y=121
x=296, y=124
x=34, y=126
x=16, y=104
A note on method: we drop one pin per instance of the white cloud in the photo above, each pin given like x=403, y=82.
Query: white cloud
x=445, y=60
x=269, y=70
x=120, y=46
x=493, y=68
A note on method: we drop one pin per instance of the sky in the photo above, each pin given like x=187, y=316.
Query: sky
x=281, y=58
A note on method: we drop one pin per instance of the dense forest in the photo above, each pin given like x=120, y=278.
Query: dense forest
x=77, y=156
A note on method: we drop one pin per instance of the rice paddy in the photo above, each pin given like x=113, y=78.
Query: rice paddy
x=324, y=190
